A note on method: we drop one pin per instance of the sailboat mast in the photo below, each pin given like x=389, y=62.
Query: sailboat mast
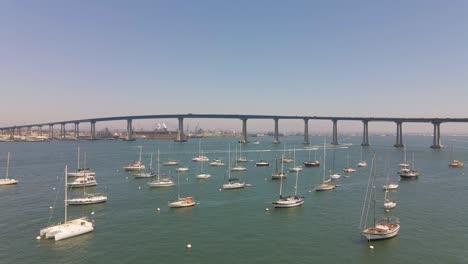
x=297, y=176
x=151, y=161
x=84, y=163
x=66, y=193
x=178, y=187
x=158, y=165
x=139, y=159
x=281, y=185
x=8, y=165
x=78, y=162
x=324, y=160
x=229, y=162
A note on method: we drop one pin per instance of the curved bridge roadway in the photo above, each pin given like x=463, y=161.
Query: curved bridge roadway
x=181, y=137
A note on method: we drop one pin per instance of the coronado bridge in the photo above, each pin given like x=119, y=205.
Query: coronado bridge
x=20, y=129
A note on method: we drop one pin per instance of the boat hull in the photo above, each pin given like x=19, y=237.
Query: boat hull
x=8, y=181
x=230, y=186
x=287, y=203
x=203, y=176
x=84, y=201
x=376, y=233
x=67, y=230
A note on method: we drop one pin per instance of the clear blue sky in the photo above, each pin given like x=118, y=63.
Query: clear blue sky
x=63, y=60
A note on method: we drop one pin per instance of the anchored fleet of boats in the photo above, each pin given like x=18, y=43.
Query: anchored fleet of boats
x=374, y=229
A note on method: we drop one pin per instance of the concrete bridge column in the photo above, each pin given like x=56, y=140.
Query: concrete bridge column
x=51, y=131
x=244, y=131
x=436, y=138
x=365, y=133
x=93, y=130
x=77, y=130
x=62, y=131
x=180, y=132
x=399, y=135
x=276, y=138
x=306, y=131
x=39, y=128
x=335, y=132
x=28, y=131
x=129, y=129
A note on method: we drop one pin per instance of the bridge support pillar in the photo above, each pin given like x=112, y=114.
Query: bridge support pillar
x=51, y=131
x=93, y=130
x=276, y=138
x=399, y=135
x=77, y=130
x=39, y=128
x=129, y=129
x=306, y=131
x=335, y=132
x=180, y=132
x=436, y=139
x=62, y=131
x=365, y=133
x=244, y=131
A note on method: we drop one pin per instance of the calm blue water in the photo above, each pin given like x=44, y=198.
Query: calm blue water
x=233, y=226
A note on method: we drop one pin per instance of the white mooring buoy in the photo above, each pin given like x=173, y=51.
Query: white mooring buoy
x=371, y=247
x=38, y=237
x=189, y=246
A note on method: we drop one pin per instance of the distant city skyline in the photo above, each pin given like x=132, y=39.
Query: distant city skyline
x=64, y=60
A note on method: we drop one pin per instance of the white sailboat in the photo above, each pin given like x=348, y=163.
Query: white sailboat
x=233, y=183
x=69, y=228
x=81, y=172
x=217, y=163
x=7, y=180
x=160, y=182
x=200, y=157
x=326, y=185
x=181, y=201
x=454, y=163
x=362, y=163
x=279, y=174
x=287, y=159
x=348, y=168
x=241, y=159
x=388, y=203
x=390, y=185
x=202, y=175
x=288, y=201
x=384, y=228
x=147, y=174
x=334, y=175
x=237, y=167
x=136, y=165
x=88, y=180
x=295, y=168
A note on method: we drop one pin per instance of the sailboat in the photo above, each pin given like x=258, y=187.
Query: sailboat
x=160, y=182
x=88, y=180
x=279, y=174
x=233, y=183
x=87, y=198
x=390, y=185
x=334, y=175
x=362, y=163
x=147, y=174
x=200, y=157
x=388, y=203
x=384, y=228
x=81, y=172
x=288, y=201
x=6, y=180
x=181, y=201
x=409, y=173
x=217, y=163
x=202, y=174
x=312, y=163
x=453, y=162
x=136, y=165
x=326, y=184
x=287, y=159
x=348, y=168
x=237, y=167
x=295, y=168
x=69, y=228
x=241, y=159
